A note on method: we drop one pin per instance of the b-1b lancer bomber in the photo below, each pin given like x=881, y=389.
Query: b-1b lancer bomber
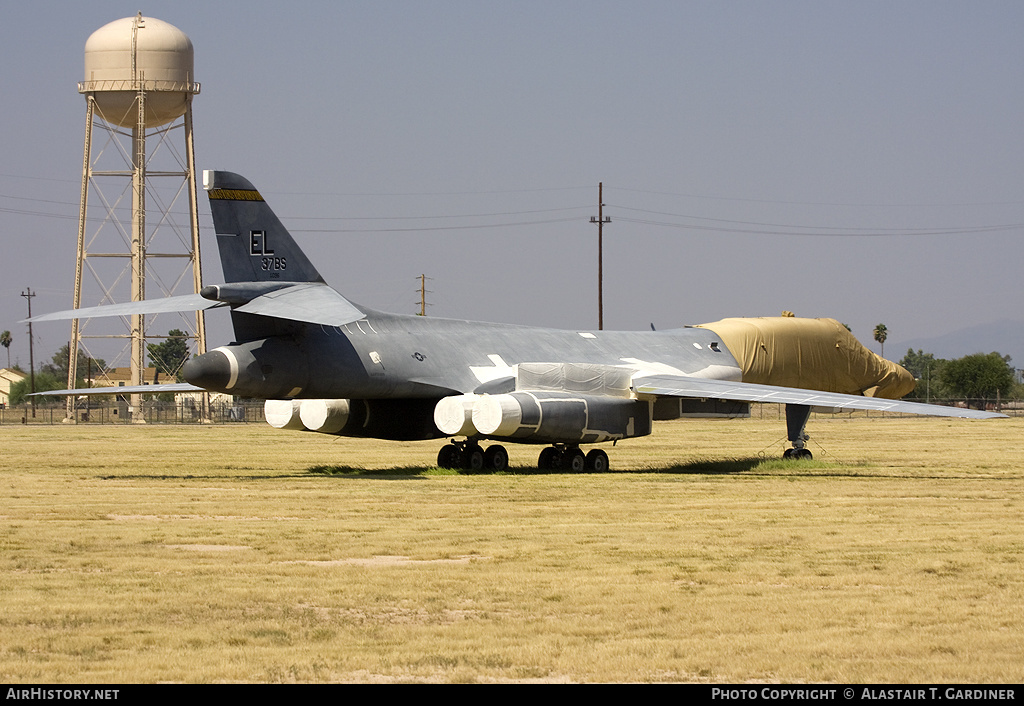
x=332, y=366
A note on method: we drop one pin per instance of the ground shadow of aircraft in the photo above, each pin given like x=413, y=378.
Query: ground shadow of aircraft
x=325, y=364
x=705, y=467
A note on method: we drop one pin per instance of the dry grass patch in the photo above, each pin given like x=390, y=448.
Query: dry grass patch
x=225, y=554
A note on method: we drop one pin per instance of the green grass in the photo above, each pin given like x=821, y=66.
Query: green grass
x=208, y=554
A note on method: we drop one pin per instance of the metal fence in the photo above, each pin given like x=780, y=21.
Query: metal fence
x=154, y=412
x=1011, y=408
x=250, y=411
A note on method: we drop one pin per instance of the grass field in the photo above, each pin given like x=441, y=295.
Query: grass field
x=241, y=553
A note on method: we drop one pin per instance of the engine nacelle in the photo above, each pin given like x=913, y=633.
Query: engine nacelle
x=272, y=368
x=545, y=416
x=283, y=414
x=454, y=415
x=680, y=407
x=396, y=420
x=324, y=416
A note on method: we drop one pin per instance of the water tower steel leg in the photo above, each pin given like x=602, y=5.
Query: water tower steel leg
x=138, y=252
x=75, y=340
x=197, y=273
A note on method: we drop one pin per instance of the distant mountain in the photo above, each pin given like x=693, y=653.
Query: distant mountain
x=1004, y=336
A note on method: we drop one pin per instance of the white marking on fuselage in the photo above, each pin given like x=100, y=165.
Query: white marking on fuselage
x=642, y=368
x=501, y=369
x=232, y=365
x=718, y=372
x=586, y=334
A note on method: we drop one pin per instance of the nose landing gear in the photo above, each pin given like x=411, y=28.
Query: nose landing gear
x=796, y=431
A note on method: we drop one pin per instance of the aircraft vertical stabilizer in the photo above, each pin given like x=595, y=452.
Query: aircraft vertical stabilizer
x=254, y=245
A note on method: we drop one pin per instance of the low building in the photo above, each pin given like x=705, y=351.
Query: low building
x=8, y=378
x=122, y=377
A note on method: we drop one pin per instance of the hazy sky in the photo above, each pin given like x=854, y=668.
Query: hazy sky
x=859, y=160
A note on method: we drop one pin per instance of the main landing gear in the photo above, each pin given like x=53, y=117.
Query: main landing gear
x=570, y=458
x=470, y=456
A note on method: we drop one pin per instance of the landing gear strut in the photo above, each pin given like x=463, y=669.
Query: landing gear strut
x=570, y=458
x=469, y=456
x=796, y=431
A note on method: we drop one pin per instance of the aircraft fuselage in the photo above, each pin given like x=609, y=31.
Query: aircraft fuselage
x=394, y=356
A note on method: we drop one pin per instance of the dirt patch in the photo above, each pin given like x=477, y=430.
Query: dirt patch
x=389, y=560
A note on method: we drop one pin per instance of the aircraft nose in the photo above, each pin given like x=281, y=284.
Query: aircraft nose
x=216, y=370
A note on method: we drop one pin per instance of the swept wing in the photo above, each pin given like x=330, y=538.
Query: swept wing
x=682, y=386
x=187, y=302
x=125, y=390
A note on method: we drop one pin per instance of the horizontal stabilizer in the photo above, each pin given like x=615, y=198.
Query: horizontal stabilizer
x=126, y=390
x=682, y=386
x=312, y=303
x=186, y=302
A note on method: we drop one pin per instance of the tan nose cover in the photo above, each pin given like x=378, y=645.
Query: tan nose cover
x=811, y=354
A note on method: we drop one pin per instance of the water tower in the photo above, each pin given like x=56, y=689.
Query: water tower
x=138, y=89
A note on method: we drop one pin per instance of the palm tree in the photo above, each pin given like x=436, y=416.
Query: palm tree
x=881, y=333
x=5, y=341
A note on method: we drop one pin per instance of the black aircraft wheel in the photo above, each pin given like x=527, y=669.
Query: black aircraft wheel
x=597, y=460
x=803, y=455
x=472, y=458
x=788, y=453
x=496, y=458
x=448, y=456
x=573, y=460
x=548, y=459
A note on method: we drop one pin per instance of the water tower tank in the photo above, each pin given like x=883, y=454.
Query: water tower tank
x=139, y=54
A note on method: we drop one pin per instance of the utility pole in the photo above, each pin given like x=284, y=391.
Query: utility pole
x=600, y=221
x=31, y=355
x=423, y=295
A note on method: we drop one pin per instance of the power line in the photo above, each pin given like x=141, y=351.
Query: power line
x=703, y=223
x=435, y=217
x=430, y=228
x=712, y=197
x=841, y=233
x=843, y=229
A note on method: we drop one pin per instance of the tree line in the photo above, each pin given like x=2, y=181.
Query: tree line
x=168, y=358
x=979, y=378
